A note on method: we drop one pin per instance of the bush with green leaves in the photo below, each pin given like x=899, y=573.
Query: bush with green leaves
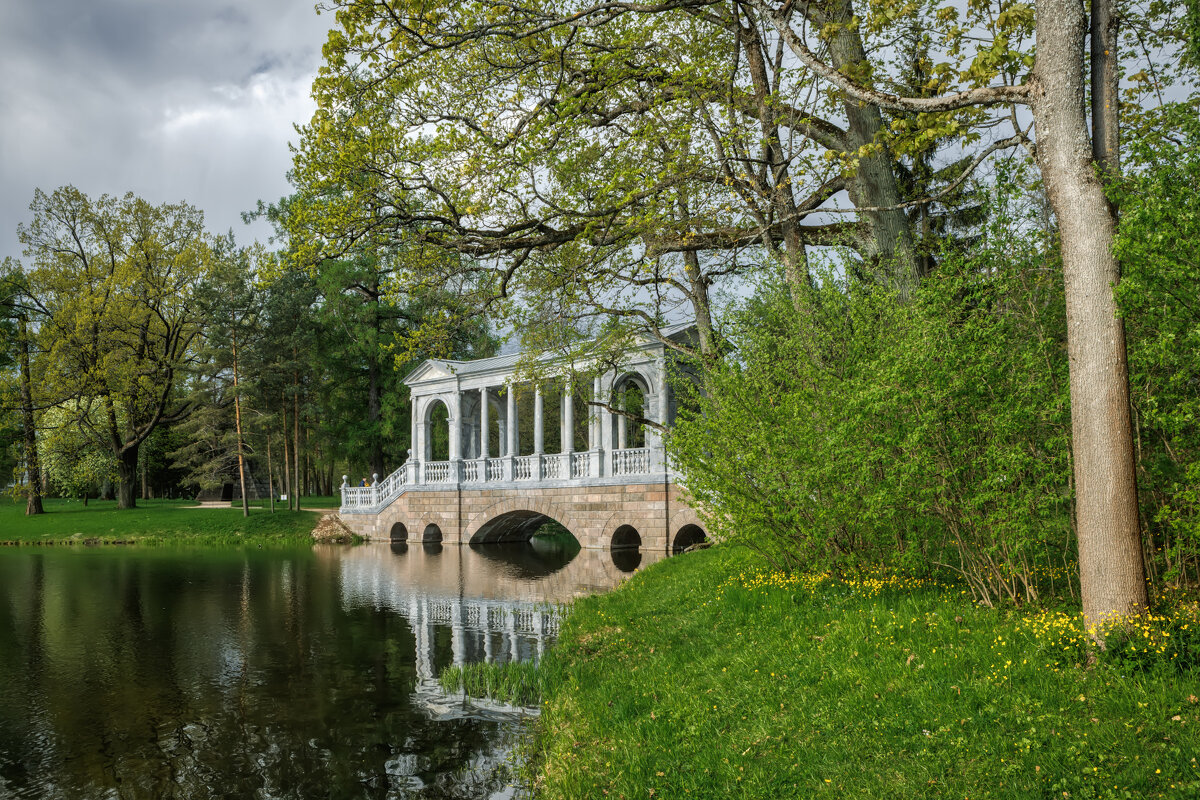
x=1159, y=246
x=847, y=429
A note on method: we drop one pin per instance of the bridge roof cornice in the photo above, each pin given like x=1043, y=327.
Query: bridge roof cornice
x=434, y=376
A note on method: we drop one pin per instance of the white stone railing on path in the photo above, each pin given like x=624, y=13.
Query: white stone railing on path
x=543, y=469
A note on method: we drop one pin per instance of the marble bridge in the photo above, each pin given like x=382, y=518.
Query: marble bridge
x=486, y=467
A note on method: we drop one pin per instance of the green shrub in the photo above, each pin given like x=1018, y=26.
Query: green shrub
x=848, y=429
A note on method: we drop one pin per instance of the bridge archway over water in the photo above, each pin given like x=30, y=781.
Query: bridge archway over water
x=687, y=536
x=398, y=533
x=518, y=525
x=432, y=534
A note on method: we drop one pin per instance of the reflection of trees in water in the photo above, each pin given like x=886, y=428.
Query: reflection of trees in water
x=170, y=674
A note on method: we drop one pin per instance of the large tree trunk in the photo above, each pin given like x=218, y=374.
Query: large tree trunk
x=1106, y=138
x=127, y=473
x=1110, y=549
x=374, y=390
x=890, y=238
x=33, y=470
x=296, y=432
x=237, y=419
x=286, y=478
x=270, y=472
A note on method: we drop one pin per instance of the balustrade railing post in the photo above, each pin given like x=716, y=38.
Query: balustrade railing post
x=658, y=456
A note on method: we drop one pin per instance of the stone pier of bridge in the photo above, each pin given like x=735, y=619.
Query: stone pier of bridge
x=608, y=480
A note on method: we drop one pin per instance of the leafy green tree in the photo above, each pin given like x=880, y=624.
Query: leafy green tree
x=1158, y=243
x=113, y=283
x=74, y=464
x=596, y=159
x=932, y=432
x=14, y=410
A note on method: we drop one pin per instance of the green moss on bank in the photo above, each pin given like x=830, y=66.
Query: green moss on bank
x=69, y=522
x=702, y=677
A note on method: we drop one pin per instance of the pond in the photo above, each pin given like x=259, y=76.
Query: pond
x=309, y=672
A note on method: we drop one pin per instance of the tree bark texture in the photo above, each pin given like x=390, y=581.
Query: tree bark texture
x=270, y=472
x=286, y=478
x=1106, y=138
x=374, y=389
x=1111, y=572
x=296, y=432
x=33, y=469
x=237, y=419
x=127, y=462
x=889, y=236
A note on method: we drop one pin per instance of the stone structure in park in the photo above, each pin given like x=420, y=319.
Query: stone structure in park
x=481, y=470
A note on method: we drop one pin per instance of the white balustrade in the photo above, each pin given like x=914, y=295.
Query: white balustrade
x=438, y=472
x=631, y=461
x=495, y=470
x=581, y=465
x=523, y=467
x=471, y=472
x=555, y=467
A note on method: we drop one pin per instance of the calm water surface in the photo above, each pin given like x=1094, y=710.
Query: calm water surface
x=159, y=673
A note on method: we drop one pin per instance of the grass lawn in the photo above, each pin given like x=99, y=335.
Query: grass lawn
x=153, y=521
x=319, y=502
x=706, y=677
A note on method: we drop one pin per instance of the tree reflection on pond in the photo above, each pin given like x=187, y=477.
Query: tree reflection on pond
x=165, y=672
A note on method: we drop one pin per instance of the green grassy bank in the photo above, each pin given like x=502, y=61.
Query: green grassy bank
x=704, y=677
x=153, y=521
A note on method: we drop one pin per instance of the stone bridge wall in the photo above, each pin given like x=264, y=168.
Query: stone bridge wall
x=592, y=513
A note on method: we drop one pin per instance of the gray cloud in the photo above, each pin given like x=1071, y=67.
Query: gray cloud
x=170, y=100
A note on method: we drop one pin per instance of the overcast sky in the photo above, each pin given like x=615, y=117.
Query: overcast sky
x=174, y=100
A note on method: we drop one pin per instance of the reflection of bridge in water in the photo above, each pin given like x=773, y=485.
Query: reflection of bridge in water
x=467, y=605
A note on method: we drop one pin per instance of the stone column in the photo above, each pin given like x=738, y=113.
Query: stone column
x=511, y=438
x=483, y=425
x=596, y=437
x=658, y=456
x=539, y=432
x=454, y=423
x=423, y=443
x=539, y=436
x=568, y=422
x=605, y=422
x=622, y=425
x=414, y=451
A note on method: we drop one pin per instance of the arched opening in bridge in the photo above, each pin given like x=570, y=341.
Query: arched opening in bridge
x=437, y=420
x=626, y=554
x=521, y=526
x=432, y=534
x=629, y=395
x=399, y=533
x=626, y=537
x=532, y=544
x=687, y=536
